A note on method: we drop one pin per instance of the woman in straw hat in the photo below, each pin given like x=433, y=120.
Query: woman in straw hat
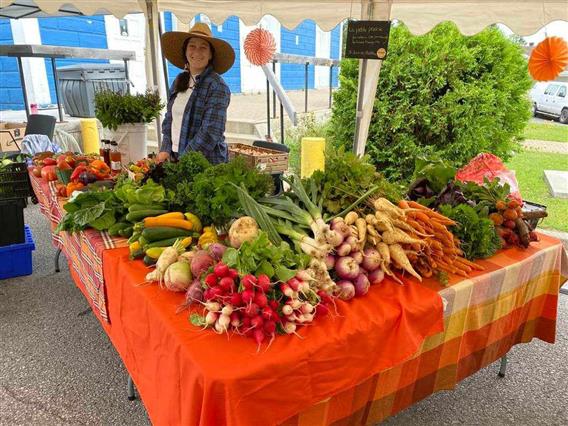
x=197, y=107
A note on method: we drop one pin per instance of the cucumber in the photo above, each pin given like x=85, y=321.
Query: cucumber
x=163, y=243
x=126, y=232
x=148, y=261
x=135, y=237
x=164, y=233
x=115, y=229
x=137, y=215
x=137, y=207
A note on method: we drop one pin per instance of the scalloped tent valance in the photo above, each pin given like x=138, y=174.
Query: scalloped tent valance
x=524, y=17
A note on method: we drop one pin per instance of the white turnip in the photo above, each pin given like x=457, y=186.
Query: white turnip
x=243, y=229
x=330, y=261
x=371, y=259
x=345, y=290
x=361, y=284
x=347, y=268
x=344, y=249
x=358, y=256
x=340, y=227
x=376, y=276
x=177, y=277
x=334, y=238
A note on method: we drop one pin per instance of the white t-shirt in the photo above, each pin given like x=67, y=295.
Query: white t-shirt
x=178, y=109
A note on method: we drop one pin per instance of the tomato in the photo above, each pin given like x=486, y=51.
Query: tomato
x=48, y=173
x=49, y=162
x=36, y=171
x=63, y=165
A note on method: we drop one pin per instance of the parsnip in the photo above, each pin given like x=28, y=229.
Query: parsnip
x=350, y=218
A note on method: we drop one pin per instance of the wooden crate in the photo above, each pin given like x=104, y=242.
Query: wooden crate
x=265, y=160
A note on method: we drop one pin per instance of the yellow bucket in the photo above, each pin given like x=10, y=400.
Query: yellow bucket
x=90, y=135
x=312, y=156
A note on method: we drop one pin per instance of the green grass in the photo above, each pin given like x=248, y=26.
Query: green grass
x=547, y=132
x=529, y=167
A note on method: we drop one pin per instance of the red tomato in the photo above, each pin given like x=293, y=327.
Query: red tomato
x=36, y=171
x=48, y=173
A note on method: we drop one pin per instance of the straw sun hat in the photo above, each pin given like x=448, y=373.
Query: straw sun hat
x=172, y=47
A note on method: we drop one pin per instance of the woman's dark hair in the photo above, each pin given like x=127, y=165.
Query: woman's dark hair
x=181, y=83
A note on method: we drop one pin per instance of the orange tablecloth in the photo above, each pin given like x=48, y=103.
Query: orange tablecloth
x=189, y=376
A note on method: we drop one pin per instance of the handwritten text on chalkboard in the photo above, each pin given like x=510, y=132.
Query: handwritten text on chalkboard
x=367, y=39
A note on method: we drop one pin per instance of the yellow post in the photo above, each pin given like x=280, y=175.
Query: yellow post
x=90, y=135
x=312, y=156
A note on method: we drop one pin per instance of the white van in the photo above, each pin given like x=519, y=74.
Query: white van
x=551, y=98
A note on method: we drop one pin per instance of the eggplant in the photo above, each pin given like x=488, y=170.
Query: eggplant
x=87, y=177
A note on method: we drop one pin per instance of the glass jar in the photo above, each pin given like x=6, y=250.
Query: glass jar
x=115, y=158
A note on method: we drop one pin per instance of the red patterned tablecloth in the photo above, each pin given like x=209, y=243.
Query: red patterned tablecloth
x=84, y=250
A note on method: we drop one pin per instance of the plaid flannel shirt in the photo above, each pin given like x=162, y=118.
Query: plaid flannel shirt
x=204, y=118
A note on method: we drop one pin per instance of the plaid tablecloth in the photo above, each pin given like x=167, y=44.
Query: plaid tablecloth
x=83, y=249
x=514, y=301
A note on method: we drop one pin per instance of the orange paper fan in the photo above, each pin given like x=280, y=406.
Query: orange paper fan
x=548, y=59
x=259, y=46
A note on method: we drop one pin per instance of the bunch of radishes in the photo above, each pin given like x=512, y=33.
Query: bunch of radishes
x=354, y=268
x=255, y=307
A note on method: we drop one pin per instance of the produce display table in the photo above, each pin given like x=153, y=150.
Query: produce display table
x=376, y=356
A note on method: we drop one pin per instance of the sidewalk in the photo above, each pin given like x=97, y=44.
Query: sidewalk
x=547, y=146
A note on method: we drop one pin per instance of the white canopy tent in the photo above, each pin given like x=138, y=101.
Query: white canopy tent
x=524, y=17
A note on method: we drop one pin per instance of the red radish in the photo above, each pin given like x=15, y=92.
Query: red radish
x=308, y=317
x=270, y=327
x=233, y=273
x=207, y=294
x=306, y=308
x=221, y=270
x=261, y=300
x=330, y=261
x=267, y=313
x=227, y=310
x=201, y=262
x=257, y=322
x=235, y=319
x=372, y=259
x=224, y=321
x=358, y=256
x=287, y=290
x=346, y=290
x=236, y=299
x=343, y=250
x=289, y=328
x=273, y=304
x=263, y=281
x=246, y=322
x=324, y=296
x=212, y=306
x=211, y=280
x=347, y=268
x=376, y=276
x=258, y=336
x=361, y=285
x=304, y=275
x=248, y=296
x=211, y=317
x=287, y=310
x=294, y=283
x=226, y=283
x=251, y=310
x=215, y=292
x=322, y=310
x=248, y=281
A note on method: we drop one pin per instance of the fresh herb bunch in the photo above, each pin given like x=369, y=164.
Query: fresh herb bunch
x=486, y=196
x=114, y=109
x=345, y=179
x=211, y=195
x=189, y=165
x=260, y=256
x=477, y=234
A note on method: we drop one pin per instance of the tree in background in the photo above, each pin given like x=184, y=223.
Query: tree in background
x=441, y=94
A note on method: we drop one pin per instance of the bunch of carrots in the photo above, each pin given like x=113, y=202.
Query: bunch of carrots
x=441, y=250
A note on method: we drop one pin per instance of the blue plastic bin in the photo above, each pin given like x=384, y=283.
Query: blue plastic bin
x=16, y=259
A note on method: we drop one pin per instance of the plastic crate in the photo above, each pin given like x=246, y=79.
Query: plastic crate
x=12, y=221
x=263, y=159
x=16, y=259
x=14, y=181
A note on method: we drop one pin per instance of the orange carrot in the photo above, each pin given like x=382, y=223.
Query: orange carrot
x=403, y=204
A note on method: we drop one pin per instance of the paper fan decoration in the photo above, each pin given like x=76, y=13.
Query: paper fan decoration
x=259, y=46
x=548, y=59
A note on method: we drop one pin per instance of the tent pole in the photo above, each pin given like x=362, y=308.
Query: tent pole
x=150, y=16
x=369, y=71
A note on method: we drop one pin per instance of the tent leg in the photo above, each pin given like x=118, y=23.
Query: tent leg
x=503, y=367
x=57, y=253
x=131, y=391
x=24, y=91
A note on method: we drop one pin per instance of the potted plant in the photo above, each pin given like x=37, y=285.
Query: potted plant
x=127, y=116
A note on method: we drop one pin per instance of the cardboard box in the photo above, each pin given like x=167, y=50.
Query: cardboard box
x=9, y=130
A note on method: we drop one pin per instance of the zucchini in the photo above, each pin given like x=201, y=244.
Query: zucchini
x=143, y=242
x=138, y=215
x=137, y=207
x=163, y=233
x=126, y=232
x=148, y=261
x=135, y=237
x=162, y=243
x=114, y=230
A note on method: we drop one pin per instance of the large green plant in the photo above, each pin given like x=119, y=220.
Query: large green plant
x=441, y=94
x=114, y=109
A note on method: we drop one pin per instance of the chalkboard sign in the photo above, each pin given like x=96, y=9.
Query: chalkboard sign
x=367, y=39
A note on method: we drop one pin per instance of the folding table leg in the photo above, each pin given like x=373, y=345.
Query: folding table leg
x=57, y=253
x=131, y=392
x=503, y=367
